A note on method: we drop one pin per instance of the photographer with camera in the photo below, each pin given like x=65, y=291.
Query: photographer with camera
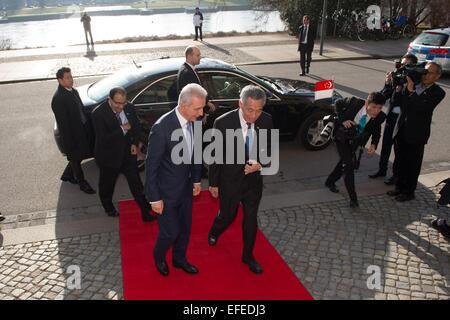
x=392, y=78
x=417, y=98
x=356, y=121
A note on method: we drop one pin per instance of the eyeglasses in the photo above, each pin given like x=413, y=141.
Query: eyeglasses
x=119, y=103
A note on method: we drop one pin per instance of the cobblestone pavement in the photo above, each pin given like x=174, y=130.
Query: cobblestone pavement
x=329, y=247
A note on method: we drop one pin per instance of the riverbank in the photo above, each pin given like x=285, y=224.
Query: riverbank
x=159, y=7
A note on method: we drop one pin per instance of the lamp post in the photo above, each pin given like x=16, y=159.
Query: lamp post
x=322, y=29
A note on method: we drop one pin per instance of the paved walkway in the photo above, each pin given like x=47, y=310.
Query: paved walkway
x=42, y=63
x=330, y=247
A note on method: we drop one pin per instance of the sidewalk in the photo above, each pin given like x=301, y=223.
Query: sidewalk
x=42, y=63
x=329, y=247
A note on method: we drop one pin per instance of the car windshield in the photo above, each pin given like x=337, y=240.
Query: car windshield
x=432, y=39
x=100, y=90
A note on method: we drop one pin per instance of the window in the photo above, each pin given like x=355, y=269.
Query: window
x=431, y=39
x=228, y=86
x=164, y=90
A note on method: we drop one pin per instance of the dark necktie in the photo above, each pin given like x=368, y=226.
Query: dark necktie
x=118, y=118
x=248, y=140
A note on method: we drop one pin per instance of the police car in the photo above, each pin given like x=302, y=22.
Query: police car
x=433, y=45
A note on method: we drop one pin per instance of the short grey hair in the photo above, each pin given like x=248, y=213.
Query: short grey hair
x=190, y=50
x=254, y=92
x=438, y=66
x=189, y=91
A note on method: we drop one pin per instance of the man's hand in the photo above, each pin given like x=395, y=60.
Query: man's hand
x=140, y=155
x=196, y=190
x=372, y=149
x=214, y=192
x=126, y=126
x=389, y=77
x=158, y=207
x=134, y=150
x=410, y=86
x=348, y=124
x=251, y=167
x=212, y=107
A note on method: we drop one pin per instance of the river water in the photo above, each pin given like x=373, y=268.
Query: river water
x=69, y=31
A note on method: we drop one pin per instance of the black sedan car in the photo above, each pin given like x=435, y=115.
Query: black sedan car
x=151, y=87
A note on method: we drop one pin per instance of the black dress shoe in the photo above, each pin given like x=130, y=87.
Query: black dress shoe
x=394, y=193
x=404, y=197
x=332, y=187
x=441, y=226
x=112, y=213
x=1, y=217
x=302, y=74
x=390, y=181
x=162, y=268
x=254, y=266
x=72, y=180
x=378, y=174
x=86, y=188
x=354, y=204
x=186, y=267
x=212, y=240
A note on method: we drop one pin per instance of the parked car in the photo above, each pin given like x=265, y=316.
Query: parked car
x=433, y=45
x=151, y=87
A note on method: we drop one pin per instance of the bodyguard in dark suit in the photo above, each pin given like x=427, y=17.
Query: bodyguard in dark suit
x=241, y=183
x=391, y=120
x=172, y=180
x=117, y=138
x=358, y=121
x=417, y=103
x=74, y=128
x=306, y=36
x=187, y=74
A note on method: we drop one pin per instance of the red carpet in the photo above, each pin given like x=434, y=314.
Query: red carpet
x=222, y=275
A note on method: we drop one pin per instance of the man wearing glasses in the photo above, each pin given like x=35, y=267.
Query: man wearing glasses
x=417, y=103
x=117, y=139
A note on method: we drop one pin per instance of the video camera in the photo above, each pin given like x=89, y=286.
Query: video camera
x=414, y=71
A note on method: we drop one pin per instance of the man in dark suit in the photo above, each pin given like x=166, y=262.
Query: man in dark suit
x=117, y=138
x=187, y=74
x=306, y=36
x=417, y=103
x=172, y=179
x=358, y=120
x=241, y=181
x=74, y=128
x=391, y=120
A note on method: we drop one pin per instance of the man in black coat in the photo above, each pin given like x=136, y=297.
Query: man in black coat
x=117, y=139
x=187, y=74
x=74, y=127
x=241, y=181
x=358, y=120
x=417, y=103
x=171, y=182
x=391, y=120
x=306, y=36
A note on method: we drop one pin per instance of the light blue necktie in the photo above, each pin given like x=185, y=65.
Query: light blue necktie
x=362, y=124
x=189, y=137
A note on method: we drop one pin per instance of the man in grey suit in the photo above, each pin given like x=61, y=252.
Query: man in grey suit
x=169, y=187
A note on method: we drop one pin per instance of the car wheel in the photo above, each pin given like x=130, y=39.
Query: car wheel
x=308, y=134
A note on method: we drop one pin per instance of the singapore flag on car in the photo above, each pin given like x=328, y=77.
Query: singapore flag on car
x=324, y=90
